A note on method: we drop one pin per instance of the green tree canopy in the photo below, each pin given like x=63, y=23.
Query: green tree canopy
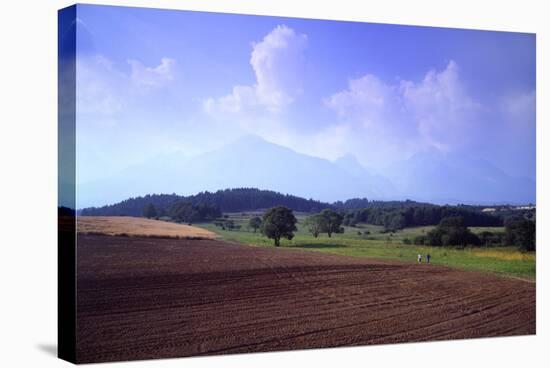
x=313, y=224
x=149, y=211
x=255, y=223
x=279, y=222
x=522, y=233
x=331, y=222
x=184, y=212
x=451, y=231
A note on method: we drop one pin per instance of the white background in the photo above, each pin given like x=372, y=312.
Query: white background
x=28, y=182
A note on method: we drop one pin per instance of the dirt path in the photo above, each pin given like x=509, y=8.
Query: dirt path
x=145, y=298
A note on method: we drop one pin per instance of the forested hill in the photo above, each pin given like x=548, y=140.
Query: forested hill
x=228, y=200
x=360, y=203
x=210, y=205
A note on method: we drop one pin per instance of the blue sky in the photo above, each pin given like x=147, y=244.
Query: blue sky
x=153, y=82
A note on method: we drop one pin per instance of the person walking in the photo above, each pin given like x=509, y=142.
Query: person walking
x=419, y=258
x=428, y=256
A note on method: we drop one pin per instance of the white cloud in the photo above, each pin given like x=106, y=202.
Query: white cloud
x=104, y=90
x=443, y=110
x=98, y=86
x=520, y=108
x=367, y=94
x=149, y=77
x=407, y=116
x=331, y=142
x=241, y=98
x=278, y=64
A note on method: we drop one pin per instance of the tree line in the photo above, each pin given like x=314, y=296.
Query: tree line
x=183, y=211
x=360, y=203
x=228, y=200
x=418, y=215
x=452, y=231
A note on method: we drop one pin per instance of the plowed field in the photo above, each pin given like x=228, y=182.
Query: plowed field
x=141, y=298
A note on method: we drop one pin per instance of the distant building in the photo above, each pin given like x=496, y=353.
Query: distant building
x=529, y=207
x=488, y=209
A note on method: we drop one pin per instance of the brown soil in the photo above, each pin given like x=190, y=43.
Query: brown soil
x=141, y=298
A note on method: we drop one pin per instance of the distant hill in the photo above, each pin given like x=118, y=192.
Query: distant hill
x=238, y=200
x=228, y=200
x=247, y=162
x=390, y=214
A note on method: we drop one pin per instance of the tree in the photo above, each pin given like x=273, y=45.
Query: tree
x=331, y=222
x=279, y=222
x=184, y=212
x=230, y=225
x=255, y=223
x=451, y=231
x=313, y=224
x=522, y=233
x=149, y=211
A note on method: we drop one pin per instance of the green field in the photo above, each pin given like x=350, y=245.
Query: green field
x=377, y=244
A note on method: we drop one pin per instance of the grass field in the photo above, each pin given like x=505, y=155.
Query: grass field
x=376, y=244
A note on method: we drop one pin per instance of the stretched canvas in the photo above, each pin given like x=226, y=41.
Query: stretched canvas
x=236, y=183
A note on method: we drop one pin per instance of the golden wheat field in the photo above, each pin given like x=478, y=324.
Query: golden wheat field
x=138, y=226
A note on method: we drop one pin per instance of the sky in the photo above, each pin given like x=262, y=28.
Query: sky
x=154, y=82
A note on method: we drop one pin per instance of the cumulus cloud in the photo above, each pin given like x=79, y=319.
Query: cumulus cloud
x=240, y=99
x=443, y=111
x=364, y=96
x=98, y=88
x=330, y=142
x=104, y=90
x=152, y=77
x=278, y=64
x=407, y=116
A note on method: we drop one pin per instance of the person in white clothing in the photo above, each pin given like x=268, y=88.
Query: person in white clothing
x=420, y=258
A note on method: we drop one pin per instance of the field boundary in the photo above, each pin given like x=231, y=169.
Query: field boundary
x=389, y=260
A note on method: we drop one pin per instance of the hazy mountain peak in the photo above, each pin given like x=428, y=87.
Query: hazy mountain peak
x=349, y=163
x=347, y=158
x=252, y=140
x=250, y=161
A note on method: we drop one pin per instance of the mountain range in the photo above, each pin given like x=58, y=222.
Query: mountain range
x=253, y=162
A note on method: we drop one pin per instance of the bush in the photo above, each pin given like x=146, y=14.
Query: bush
x=491, y=239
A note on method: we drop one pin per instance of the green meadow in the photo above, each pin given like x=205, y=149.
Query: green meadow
x=371, y=241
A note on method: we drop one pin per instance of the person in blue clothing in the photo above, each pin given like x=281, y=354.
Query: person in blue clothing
x=428, y=256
